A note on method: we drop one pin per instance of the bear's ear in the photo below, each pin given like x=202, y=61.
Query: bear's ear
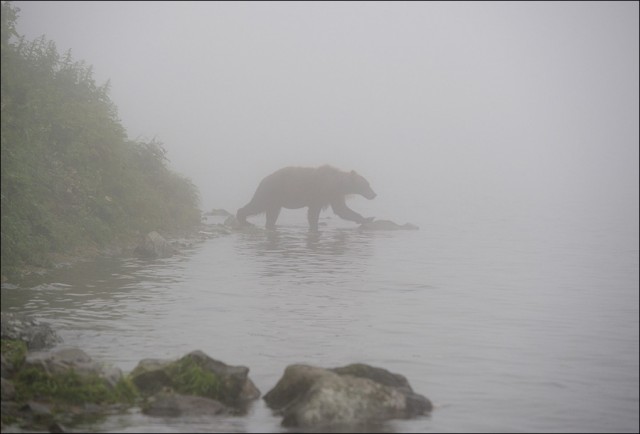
x=353, y=173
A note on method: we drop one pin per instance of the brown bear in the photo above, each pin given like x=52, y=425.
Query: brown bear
x=299, y=187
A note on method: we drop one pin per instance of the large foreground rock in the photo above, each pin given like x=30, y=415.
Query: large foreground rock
x=195, y=374
x=312, y=397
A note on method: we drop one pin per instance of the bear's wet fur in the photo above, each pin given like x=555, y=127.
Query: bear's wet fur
x=300, y=187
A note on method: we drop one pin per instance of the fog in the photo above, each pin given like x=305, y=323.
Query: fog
x=507, y=131
x=442, y=106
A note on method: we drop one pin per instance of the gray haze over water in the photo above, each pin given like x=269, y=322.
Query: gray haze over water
x=531, y=106
x=508, y=132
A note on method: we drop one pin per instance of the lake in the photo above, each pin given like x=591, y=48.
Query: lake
x=506, y=323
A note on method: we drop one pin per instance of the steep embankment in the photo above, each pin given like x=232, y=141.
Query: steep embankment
x=71, y=179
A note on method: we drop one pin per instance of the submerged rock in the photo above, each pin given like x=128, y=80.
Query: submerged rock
x=388, y=225
x=354, y=395
x=155, y=246
x=35, y=334
x=233, y=224
x=218, y=212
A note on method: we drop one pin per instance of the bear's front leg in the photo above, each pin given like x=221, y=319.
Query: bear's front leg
x=313, y=215
x=272, y=216
x=343, y=211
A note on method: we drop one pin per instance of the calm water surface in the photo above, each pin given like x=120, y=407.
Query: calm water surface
x=506, y=325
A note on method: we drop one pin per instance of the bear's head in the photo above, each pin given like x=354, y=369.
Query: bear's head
x=359, y=185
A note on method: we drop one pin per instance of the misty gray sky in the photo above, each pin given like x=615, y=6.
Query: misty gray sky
x=531, y=103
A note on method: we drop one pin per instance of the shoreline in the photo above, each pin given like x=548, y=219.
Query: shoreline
x=119, y=249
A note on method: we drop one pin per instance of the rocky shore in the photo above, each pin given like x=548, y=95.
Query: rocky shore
x=46, y=387
x=49, y=387
x=153, y=245
x=150, y=246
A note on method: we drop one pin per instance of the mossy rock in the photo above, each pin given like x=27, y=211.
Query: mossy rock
x=65, y=377
x=151, y=376
x=42, y=389
x=41, y=400
x=71, y=388
x=196, y=374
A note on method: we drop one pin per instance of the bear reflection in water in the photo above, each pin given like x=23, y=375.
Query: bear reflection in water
x=300, y=187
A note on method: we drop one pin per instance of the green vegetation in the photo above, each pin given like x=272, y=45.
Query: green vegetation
x=184, y=376
x=14, y=352
x=71, y=180
x=191, y=379
x=61, y=391
x=70, y=388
